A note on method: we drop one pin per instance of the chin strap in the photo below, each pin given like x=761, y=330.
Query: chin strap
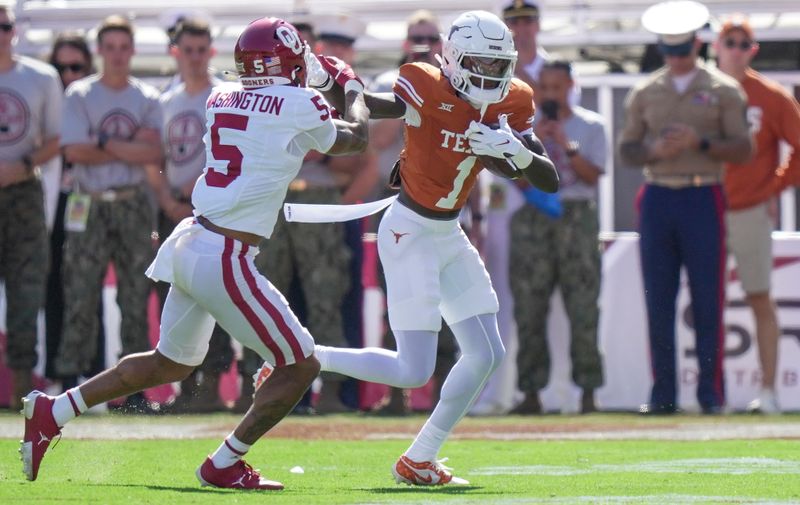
x=484, y=106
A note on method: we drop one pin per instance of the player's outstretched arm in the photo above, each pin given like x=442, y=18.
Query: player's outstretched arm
x=352, y=132
x=541, y=172
x=330, y=76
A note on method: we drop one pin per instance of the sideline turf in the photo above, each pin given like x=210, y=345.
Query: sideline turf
x=162, y=472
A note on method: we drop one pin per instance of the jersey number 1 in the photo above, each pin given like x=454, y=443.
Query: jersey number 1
x=225, y=152
x=464, y=168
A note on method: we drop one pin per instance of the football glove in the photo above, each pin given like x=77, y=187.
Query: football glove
x=342, y=73
x=316, y=76
x=499, y=143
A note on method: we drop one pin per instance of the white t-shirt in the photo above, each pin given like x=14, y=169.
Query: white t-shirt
x=255, y=143
x=681, y=82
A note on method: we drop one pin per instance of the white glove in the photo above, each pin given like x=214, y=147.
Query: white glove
x=316, y=76
x=499, y=143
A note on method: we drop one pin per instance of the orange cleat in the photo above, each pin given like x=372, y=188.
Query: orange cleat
x=424, y=473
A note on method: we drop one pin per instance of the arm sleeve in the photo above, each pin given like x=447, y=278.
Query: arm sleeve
x=733, y=104
x=53, y=107
x=313, y=118
x=635, y=127
x=75, y=125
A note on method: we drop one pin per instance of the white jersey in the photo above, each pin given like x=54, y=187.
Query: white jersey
x=255, y=142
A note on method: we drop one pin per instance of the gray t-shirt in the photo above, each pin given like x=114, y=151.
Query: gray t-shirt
x=182, y=133
x=586, y=128
x=92, y=107
x=31, y=100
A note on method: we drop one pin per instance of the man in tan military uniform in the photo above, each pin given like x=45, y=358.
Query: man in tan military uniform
x=681, y=124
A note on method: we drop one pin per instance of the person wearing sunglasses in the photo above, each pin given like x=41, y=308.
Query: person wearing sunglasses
x=752, y=190
x=30, y=117
x=110, y=130
x=682, y=123
x=72, y=59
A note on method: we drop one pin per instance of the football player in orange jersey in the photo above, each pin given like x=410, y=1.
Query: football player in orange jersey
x=432, y=270
x=752, y=189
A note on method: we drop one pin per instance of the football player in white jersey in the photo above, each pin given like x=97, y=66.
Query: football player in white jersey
x=259, y=130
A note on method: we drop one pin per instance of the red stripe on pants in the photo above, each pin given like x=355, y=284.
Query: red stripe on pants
x=236, y=295
x=273, y=312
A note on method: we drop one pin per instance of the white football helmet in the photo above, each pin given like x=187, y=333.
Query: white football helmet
x=479, y=57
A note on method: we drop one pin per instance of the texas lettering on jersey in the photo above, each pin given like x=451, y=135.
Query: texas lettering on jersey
x=438, y=169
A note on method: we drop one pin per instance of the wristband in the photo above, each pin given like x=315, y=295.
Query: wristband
x=704, y=145
x=522, y=159
x=573, y=149
x=353, y=85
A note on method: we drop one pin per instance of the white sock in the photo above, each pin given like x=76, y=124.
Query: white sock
x=229, y=452
x=321, y=352
x=68, y=406
x=481, y=353
x=427, y=444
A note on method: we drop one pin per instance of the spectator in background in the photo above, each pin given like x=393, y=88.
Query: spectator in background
x=752, y=190
x=72, y=60
x=184, y=110
x=423, y=42
x=682, y=123
x=504, y=199
x=295, y=249
x=562, y=252
x=522, y=18
x=109, y=132
x=30, y=116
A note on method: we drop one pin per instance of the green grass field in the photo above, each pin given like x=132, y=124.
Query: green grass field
x=357, y=471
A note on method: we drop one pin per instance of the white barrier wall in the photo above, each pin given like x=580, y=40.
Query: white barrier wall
x=623, y=336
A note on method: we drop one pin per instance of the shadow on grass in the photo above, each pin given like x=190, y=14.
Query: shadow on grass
x=153, y=487
x=472, y=490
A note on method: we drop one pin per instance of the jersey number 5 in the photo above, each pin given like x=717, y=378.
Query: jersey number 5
x=225, y=152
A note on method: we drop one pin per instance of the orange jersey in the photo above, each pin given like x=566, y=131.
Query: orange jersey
x=774, y=115
x=437, y=167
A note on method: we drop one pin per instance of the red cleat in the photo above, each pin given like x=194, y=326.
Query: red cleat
x=40, y=429
x=424, y=473
x=239, y=476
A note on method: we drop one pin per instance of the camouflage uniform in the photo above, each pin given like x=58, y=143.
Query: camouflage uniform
x=546, y=253
x=120, y=232
x=30, y=115
x=23, y=265
x=119, y=225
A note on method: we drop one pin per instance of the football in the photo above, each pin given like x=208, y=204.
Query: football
x=500, y=166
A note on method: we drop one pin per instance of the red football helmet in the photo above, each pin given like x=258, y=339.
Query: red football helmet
x=270, y=51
